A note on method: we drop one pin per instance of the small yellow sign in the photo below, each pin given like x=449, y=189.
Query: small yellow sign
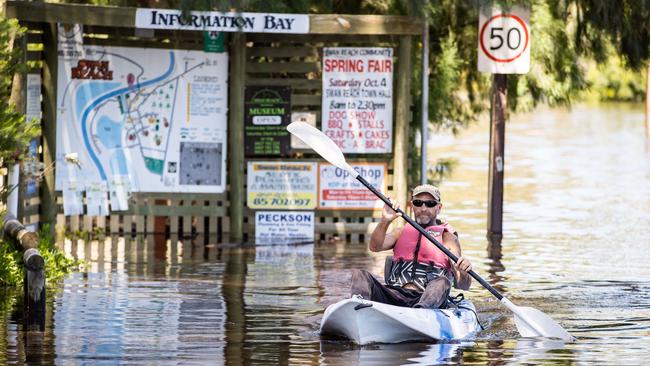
x=282, y=185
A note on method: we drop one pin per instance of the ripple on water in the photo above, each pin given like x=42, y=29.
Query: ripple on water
x=577, y=194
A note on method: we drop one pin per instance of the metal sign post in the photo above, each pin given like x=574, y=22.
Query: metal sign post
x=504, y=48
x=425, y=101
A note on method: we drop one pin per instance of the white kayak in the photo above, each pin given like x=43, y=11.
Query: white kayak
x=365, y=322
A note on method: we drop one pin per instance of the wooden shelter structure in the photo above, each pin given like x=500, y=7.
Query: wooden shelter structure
x=292, y=60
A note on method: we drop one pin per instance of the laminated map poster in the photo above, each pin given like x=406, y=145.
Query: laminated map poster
x=153, y=119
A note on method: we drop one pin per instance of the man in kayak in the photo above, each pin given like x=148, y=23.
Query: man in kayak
x=421, y=275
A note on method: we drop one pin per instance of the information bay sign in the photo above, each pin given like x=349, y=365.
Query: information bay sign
x=222, y=22
x=504, y=40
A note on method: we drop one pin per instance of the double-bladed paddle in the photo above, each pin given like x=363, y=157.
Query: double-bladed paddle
x=530, y=322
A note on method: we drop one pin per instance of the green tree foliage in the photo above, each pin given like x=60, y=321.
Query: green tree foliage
x=57, y=264
x=613, y=80
x=15, y=132
x=624, y=23
x=564, y=33
x=458, y=92
x=11, y=270
x=615, y=37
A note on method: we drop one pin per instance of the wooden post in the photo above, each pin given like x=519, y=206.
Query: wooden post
x=34, y=264
x=424, y=170
x=160, y=222
x=236, y=134
x=15, y=204
x=647, y=103
x=48, y=125
x=497, y=143
x=402, y=117
x=232, y=290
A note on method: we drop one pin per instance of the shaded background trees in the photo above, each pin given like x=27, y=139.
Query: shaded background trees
x=579, y=49
x=15, y=132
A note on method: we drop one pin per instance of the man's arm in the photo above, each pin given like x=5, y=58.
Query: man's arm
x=380, y=239
x=462, y=279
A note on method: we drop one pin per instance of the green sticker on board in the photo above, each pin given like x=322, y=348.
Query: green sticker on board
x=213, y=41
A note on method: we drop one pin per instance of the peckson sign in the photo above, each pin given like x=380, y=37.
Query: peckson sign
x=222, y=22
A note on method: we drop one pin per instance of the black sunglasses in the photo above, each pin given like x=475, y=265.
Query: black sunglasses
x=429, y=204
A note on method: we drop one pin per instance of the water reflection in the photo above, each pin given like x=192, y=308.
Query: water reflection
x=575, y=246
x=129, y=310
x=333, y=353
x=531, y=351
x=495, y=266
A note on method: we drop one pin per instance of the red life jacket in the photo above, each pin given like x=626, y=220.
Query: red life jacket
x=404, y=249
x=430, y=262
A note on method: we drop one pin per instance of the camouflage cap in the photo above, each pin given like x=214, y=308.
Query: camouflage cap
x=430, y=189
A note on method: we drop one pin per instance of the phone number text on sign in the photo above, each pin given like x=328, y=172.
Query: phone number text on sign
x=281, y=185
x=358, y=98
x=337, y=190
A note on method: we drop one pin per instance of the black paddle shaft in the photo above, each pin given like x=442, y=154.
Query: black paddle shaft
x=428, y=236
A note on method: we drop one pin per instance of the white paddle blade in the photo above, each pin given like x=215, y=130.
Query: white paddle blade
x=544, y=325
x=322, y=144
x=534, y=323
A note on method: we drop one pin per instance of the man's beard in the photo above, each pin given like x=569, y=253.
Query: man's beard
x=424, y=220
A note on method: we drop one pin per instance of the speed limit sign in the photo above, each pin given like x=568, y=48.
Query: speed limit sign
x=504, y=41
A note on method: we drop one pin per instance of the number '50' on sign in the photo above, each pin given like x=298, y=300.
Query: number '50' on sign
x=504, y=41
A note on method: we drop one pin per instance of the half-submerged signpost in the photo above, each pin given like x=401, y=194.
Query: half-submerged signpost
x=504, y=48
x=34, y=264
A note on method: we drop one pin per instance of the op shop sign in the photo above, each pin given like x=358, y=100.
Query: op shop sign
x=281, y=185
x=504, y=40
x=337, y=190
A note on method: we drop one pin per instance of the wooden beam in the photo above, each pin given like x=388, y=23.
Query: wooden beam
x=236, y=134
x=294, y=83
x=647, y=103
x=71, y=14
x=283, y=52
x=497, y=162
x=125, y=17
x=402, y=118
x=282, y=67
x=165, y=211
x=18, y=99
x=48, y=125
x=183, y=196
x=363, y=24
x=324, y=40
x=298, y=100
x=233, y=289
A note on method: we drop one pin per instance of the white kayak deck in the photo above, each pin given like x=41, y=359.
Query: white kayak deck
x=365, y=322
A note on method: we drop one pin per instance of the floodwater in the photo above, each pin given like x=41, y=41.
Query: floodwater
x=577, y=209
